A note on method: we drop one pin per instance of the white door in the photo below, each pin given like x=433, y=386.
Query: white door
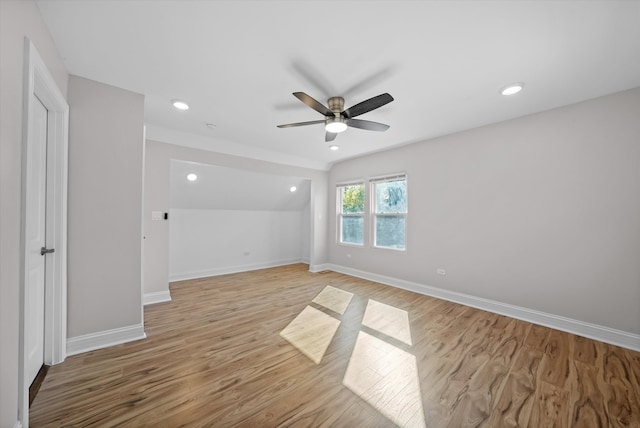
x=35, y=239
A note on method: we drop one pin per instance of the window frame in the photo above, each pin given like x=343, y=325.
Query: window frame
x=373, y=181
x=340, y=214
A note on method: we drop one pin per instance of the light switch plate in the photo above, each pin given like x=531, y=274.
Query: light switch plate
x=156, y=215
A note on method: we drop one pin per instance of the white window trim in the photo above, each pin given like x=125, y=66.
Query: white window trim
x=388, y=177
x=373, y=214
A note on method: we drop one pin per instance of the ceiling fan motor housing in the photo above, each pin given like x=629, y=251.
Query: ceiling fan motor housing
x=337, y=123
x=336, y=105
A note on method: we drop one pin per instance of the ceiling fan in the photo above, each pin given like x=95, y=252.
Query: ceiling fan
x=337, y=120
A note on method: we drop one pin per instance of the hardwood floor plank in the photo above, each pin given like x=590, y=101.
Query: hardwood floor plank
x=487, y=384
x=619, y=387
x=633, y=359
x=517, y=397
x=551, y=407
x=588, y=403
x=585, y=350
x=537, y=337
x=214, y=356
x=556, y=363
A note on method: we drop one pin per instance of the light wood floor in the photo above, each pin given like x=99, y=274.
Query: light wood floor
x=278, y=347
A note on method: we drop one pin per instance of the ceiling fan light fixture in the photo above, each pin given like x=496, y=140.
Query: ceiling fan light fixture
x=335, y=125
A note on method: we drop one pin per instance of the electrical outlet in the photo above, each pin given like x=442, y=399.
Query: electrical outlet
x=441, y=271
x=348, y=256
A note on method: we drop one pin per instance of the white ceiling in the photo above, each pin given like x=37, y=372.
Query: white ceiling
x=237, y=62
x=232, y=189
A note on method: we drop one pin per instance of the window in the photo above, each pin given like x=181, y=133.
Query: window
x=389, y=211
x=351, y=213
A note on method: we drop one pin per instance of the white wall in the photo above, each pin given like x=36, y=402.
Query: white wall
x=212, y=242
x=305, y=228
x=156, y=233
x=222, y=188
x=541, y=212
x=105, y=209
x=18, y=19
x=157, y=198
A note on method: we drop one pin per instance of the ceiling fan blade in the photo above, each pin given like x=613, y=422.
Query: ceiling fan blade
x=292, y=125
x=330, y=136
x=312, y=75
x=367, y=105
x=368, y=82
x=367, y=124
x=313, y=104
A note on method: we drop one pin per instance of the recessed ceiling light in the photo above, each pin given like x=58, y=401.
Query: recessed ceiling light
x=334, y=147
x=293, y=189
x=192, y=177
x=512, y=89
x=180, y=105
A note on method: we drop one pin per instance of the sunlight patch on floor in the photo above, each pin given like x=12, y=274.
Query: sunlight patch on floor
x=311, y=332
x=333, y=298
x=386, y=377
x=389, y=320
x=380, y=373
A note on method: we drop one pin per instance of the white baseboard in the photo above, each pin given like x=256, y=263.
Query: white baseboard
x=320, y=268
x=569, y=325
x=157, y=297
x=182, y=276
x=104, y=339
x=18, y=424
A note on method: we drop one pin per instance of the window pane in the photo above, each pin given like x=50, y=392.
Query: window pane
x=352, y=198
x=351, y=230
x=390, y=232
x=391, y=197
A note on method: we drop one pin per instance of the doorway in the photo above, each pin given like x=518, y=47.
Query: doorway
x=35, y=237
x=43, y=299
